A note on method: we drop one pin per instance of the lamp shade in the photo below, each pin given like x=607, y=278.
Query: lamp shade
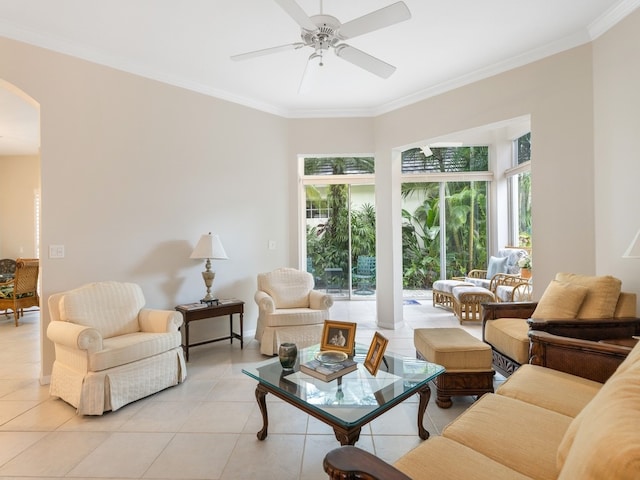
x=209, y=246
x=634, y=249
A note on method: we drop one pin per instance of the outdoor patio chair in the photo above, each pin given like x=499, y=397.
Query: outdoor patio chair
x=364, y=275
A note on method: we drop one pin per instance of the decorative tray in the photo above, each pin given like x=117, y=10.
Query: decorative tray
x=330, y=357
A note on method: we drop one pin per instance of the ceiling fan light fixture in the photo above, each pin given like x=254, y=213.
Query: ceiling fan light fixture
x=322, y=32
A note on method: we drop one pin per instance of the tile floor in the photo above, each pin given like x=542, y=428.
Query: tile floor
x=203, y=429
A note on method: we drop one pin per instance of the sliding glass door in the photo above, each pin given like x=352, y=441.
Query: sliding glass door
x=340, y=223
x=444, y=211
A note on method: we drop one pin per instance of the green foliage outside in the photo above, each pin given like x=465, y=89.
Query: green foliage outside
x=465, y=218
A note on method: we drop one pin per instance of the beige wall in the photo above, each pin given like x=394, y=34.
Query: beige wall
x=557, y=93
x=19, y=184
x=617, y=156
x=133, y=171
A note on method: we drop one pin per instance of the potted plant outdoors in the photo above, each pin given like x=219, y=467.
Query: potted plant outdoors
x=525, y=267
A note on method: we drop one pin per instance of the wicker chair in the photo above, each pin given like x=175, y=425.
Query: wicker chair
x=509, y=288
x=22, y=291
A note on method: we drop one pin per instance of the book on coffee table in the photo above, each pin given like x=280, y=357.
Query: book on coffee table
x=328, y=372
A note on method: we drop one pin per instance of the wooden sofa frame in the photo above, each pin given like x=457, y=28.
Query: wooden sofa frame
x=597, y=329
x=586, y=358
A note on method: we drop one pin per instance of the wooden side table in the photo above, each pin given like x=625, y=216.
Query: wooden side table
x=194, y=312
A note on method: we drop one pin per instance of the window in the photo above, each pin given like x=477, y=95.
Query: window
x=317, y=209
x=519, y=177
x=445, y=203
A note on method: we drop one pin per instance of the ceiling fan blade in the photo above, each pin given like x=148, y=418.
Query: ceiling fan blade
x=267, y=51
x=296, y=12
x=385, y=17
x=364, y=60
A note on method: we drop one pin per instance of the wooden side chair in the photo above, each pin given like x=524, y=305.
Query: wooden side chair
x=22, y=291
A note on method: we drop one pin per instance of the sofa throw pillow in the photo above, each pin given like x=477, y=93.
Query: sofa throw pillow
x=603, y=441
x=560, y=300
x=496, y=265
x=602, y=296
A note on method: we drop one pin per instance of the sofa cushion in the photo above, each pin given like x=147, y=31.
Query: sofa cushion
x=132, y=347
x=446, y=459
x=294, y=317
x=496, y=265
x=560, y=300
x=550, y=389
x=110, y=307
x=522, y=436
x=603, y=440
x=509, y=336
x=633, y=358
x=602, y=296
x=626, y=306
x=478, y=282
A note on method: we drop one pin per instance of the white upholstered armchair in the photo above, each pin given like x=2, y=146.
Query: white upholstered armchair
x=290, y=310
x=110, y=350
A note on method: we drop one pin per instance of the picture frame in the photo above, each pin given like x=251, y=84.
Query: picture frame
x=376, y=353
x=339, y=336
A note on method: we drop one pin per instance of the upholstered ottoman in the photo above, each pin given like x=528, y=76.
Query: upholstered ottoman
x=443, y=294
x=467, y=302
x=467, y=361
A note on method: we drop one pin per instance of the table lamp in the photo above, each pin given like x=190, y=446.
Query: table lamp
x=209, y=247
x=634, y=249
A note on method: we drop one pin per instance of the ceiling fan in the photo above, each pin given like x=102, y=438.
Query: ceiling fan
x=323, y=32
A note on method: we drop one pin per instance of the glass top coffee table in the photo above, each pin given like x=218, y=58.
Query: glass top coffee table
x=351, y=401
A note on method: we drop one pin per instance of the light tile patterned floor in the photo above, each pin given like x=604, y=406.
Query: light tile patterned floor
x=203, y=429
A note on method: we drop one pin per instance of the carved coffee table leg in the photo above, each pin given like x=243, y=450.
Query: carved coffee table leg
x=425, y=395
x=347, y=437
x=261, y=393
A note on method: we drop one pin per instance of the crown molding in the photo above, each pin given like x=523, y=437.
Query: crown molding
x=611, y=17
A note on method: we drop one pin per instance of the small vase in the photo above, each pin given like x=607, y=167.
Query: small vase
x=287, y=353
x=525, y=272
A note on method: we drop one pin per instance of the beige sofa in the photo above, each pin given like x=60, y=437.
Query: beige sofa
x=541, y=423
x=572, y=305
x=110, y=350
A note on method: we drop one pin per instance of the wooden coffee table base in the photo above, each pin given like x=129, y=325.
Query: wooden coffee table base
x=344, y=435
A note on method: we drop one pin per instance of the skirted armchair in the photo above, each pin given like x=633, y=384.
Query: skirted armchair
x=577, y=306
x=290, y=310
x=110, y=350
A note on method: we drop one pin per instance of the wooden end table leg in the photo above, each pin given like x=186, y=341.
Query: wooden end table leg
x=261, y=393
x=186, y=340
x=425, y=395
x=347, y=437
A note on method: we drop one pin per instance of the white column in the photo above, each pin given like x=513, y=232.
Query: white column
x=388, y=240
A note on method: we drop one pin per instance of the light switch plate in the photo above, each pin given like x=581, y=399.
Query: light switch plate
x=56, y=251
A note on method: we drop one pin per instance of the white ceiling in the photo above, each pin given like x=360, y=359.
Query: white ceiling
x=446, y=44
